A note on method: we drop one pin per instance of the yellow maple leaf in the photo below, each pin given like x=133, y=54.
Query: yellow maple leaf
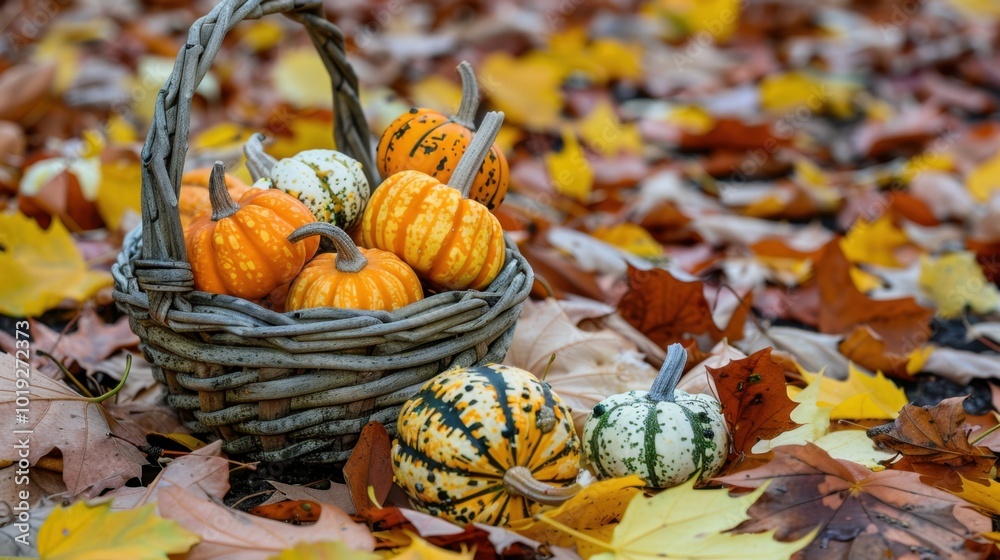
x=985, y=179
x=601, y=60
x=295, y=74
x=420, y=549
x=120, y=131
x=789, y=91
x=860, y=396
x=927, y=161
x=817, y=184
x=716, y=17
x=604, y=132
x=855, y=446
x=632, y=238
x=221, y=137
x=617, y=60
x=84, y=532
x=526, y=89
x=438, y=93
x=594, y=508
x=41, y=268
x=668, y=522
x=261, y=35
x=985, y=497
x=120, y=192
x=873, y=242
x=306, y=134
x=956, y=280
x=692, y=119
x=328, y=550
x=569, y=169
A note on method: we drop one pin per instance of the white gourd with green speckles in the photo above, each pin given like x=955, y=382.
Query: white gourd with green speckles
x=330, y=183
x=663, y=435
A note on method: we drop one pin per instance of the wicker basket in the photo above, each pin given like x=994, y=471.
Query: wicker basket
x=297, y=385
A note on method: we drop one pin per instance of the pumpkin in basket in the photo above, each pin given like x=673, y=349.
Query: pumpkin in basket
x=489, y=444
x=243, y=249
x=447, y=238
x=428, y=141
x=194, y=197
x=351, y=278
x=331, y=184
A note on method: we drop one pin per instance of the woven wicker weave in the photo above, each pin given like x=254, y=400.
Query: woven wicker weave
x=297, y=385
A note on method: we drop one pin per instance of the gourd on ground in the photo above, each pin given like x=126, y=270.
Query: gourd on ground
x=351, y=278
x=663, y=435
x=241, y=249
x=448, y=239
x=489, y=444
x=331, y=184
x=428, y=141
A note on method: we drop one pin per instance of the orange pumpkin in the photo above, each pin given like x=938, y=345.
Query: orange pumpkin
x=428, y=141
x=351, y=278
x=448, y=239
x=243, y=249
x=194, y=197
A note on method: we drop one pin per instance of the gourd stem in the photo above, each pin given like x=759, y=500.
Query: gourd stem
x=518, y=481
x=349, y=258
x=670, y=374
x=467, y=168
x=259, y=162
x=466, y=115
x=222, y=204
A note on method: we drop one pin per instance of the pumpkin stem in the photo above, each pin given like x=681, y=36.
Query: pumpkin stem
x=466, y=115
x=259, y=162
x=670, y=374
x=222, y=204
x=349, y=258
x=467, y=168
x=518, y=481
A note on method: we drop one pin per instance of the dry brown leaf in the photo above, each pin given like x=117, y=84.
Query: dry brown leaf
x=24, y=91
x=205, y=472
x=96, y=449
x=232, y=534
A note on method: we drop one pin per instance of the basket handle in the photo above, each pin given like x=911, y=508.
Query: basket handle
x=163, y=271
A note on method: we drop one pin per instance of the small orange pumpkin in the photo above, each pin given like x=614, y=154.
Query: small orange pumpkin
x=351, y=278
x=448, y=239
x=428, y=141
x=243, y=249
x=194, y=197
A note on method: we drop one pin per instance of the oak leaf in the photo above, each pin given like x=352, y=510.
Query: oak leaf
x=754, y=400
x=935, y=435
x=860, y=514
x=83, y=531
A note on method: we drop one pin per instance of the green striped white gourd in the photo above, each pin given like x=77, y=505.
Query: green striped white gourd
x=663, y=435
x=489, y=444
x=331, y=184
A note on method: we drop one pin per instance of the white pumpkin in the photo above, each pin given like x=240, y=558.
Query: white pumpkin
x=663, y=435
x=331, y=184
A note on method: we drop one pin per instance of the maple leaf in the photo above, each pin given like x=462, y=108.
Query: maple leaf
x=326, y=550
x=935, y=435
x=667, y=522
x=526, y=89
x=956, y=281
x=43, y=268
x=204, y=471
x=229, y=533
x=873, y=242
x=754, y=400
x=865, y=348
x=860, y=514
x=604, y=132
x=369, y=469
x=902, y=323
x=569, y=169
x=419, y=549
x=982, y=181
x=119, y=194
x=96, y=449
x=665, y=309
x=82, y=531
x=860, y=396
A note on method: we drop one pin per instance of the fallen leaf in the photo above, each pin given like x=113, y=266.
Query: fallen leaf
x=569, y=170
x=937, y=435
x=43, y=267
x=666, y=522
x=526, y=89
x=121, y=182
x=289, y=511
x=604, y=132
x=595, y=506
x=984, y=494
x=864, y=347
x=338, y=495
x=719, y=18
x=632, y=238
x=783, y=93
x=956, y=281
x=204, y=472
x=96, y=449
x=419, y=549
x=754, y=400
x=873, y=242
x=139, y=534
x=860, y=396
x=665, y=309
x=370, y=466
x=813, y=421
x=855, y=446
x=860, y=514
x=326, y=550
x=983, y=180
x=230, y=533
x=902, y=323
